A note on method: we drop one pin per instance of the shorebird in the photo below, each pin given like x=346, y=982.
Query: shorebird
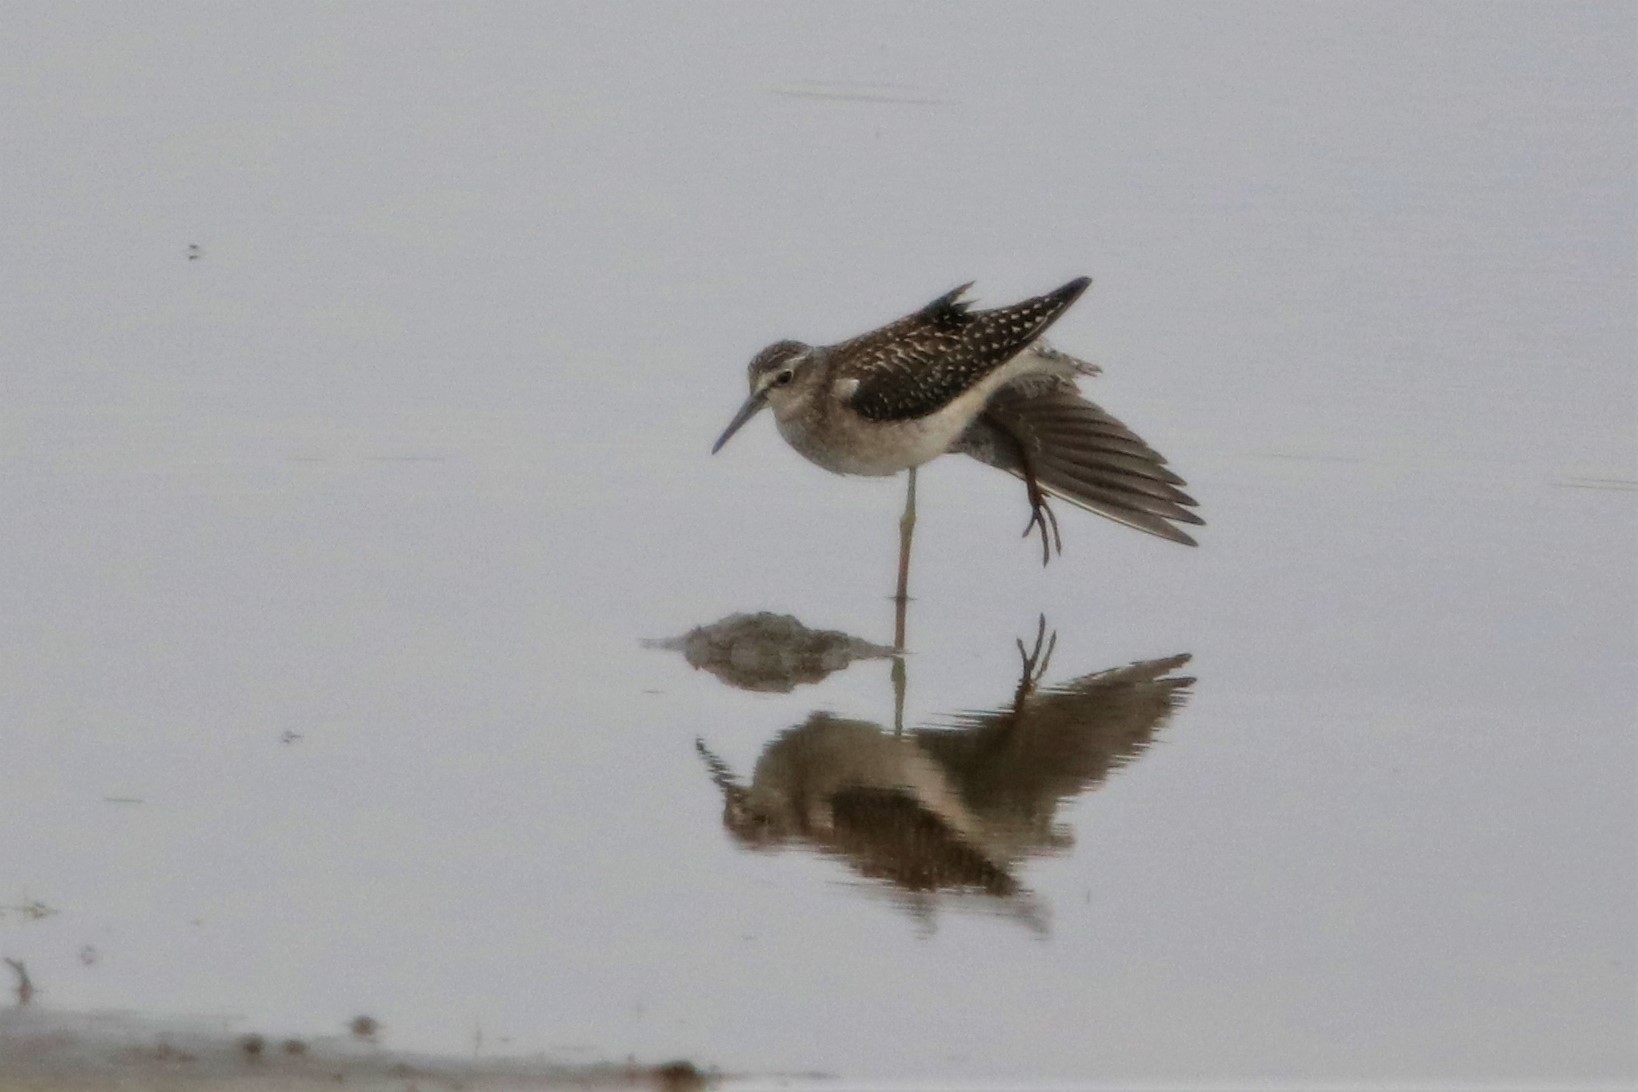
x=949, y=378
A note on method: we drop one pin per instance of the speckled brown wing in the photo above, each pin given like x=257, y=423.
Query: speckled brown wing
x=1081, y=454
x=919, y=364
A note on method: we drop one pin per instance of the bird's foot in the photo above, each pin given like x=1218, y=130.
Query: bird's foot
x=1043, y=518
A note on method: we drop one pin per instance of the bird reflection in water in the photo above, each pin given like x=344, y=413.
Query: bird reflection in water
x=952, y=810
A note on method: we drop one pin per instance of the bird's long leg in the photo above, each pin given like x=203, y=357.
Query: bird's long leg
x=901, y=603
x=1041, y=515
x=907, y=528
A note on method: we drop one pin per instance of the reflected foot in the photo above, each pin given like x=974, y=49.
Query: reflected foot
x=1035, y=664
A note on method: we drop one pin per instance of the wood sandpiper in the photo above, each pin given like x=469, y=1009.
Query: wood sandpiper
x=983, y=383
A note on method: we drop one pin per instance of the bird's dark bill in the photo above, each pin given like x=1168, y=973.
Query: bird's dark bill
x=746, y=412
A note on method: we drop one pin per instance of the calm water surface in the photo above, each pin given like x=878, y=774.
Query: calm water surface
x=331, y=552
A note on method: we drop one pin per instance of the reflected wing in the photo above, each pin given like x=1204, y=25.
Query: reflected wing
x=918, y=364
x=1063, y=740
x=886, y=835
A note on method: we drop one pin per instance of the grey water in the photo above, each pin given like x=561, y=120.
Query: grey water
x=358, y=370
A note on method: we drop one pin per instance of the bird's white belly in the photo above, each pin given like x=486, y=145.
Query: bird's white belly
x=875, y=448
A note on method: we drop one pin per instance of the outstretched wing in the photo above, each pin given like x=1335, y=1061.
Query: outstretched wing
x=1082, y=454
x=919, y=364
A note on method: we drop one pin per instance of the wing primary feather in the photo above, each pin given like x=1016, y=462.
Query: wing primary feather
x=1083, y=456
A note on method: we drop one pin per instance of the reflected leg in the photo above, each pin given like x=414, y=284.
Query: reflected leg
x=901, y=683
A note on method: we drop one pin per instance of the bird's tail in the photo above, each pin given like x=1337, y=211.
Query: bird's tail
x=1081, y=454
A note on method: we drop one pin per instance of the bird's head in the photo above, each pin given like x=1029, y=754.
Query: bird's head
x=777, y=377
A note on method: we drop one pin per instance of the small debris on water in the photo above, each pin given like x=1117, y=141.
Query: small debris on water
x=32, y=910
x=25, y=985
x=680, y=1076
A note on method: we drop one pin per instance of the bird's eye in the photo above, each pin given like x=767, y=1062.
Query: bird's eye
x=783, y=377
